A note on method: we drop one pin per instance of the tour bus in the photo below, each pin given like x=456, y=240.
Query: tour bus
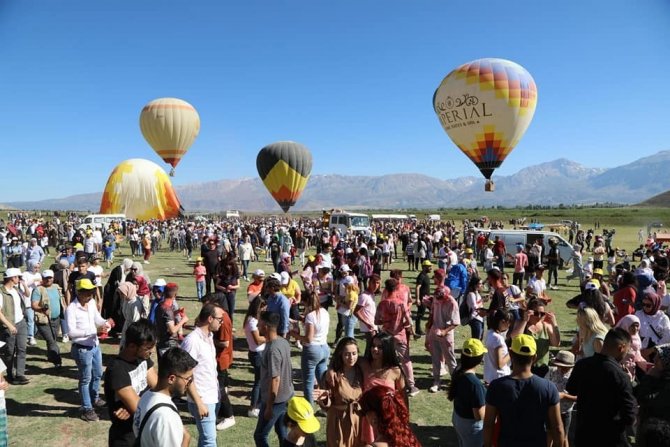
x=101, y=221
x=513, y=237
x=345, y=221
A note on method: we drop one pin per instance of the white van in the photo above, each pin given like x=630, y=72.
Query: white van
x=513, y=237
x=232, y=214
x=101, y=221
x=356, y=223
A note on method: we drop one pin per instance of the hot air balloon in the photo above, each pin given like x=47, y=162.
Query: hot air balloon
x=141, y=190
x=485, y=107
x=170, y=126
x=284, y=168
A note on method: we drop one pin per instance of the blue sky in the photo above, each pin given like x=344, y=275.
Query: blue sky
x=352, y=80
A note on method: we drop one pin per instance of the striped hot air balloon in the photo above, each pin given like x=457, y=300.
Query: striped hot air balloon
x=170, y=126
x=284, y=168
x=485, y=106
x=141, y=190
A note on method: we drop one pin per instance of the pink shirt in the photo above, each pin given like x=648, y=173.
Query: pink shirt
x=368, y=308
x=392, y=314
x=199, y=272
x=520, y=262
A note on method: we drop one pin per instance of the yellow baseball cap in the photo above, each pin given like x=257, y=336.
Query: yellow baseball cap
x=468, y=251
x=302, y=413
x=426, y=263
x=524, y=344
x=473, y=347
x=85, y=284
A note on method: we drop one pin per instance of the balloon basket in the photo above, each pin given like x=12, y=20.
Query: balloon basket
x=489, y=186
x=172, y=172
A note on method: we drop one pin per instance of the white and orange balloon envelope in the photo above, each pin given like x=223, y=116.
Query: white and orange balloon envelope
x=170, y=126
x=141, y=190
x=485, y=106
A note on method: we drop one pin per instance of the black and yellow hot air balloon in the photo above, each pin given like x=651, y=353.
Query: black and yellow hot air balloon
x=284, y=167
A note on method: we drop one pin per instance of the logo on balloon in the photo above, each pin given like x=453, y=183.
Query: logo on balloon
x=461, y=111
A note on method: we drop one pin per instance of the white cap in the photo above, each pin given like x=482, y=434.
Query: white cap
x=259, y=273
x=345, y=268
x=349, y=250
x=12, y=272
x=48, y=274
x=276, y=276
x=160, y=282
x=590, y=286
x=348, y=280
x=285, y=278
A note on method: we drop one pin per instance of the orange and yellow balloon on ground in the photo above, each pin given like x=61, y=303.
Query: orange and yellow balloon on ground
x=485, y=106
x=170, y=126
x=284, y=167
x=141, y=190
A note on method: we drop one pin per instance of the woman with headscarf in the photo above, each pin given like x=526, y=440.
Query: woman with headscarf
x=654, y=324
x=131, y=304
x=633, y=360
x=111, y=305
x=143, y=285
x=653, y=396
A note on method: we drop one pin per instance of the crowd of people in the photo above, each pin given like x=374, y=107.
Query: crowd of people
x=615, y=376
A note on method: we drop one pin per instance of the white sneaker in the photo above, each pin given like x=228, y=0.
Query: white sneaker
x=254, y=413
x=66, y=339
x=434, y=389
x=31, y=341
x=226, y=423
x=146, y=262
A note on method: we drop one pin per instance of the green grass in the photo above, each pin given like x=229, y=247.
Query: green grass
x=45, y=412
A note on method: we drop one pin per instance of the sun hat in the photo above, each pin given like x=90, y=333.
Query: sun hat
x=12, y=272
x=565, y=359
x=302, y=413
x=473, y=347
x=524, y=344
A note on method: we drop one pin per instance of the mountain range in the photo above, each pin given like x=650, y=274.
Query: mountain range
x=552, y=183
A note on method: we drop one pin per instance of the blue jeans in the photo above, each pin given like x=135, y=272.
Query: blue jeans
x=263, y=426
x=314, y=363
x=30, y=320
x=476, y=328
x=349, y=325
x=230, y=299
x=245, y=268
x=200, y=289
x=206, y=426
x=255, y=360
x=89, y=364
x=470, y=432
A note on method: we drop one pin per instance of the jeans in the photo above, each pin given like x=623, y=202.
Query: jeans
x=89, y=365
x=230, y=299
x=476, y=328
x=16, y=346
x=30, y=320
x=349, y=325
x=313, y=362
x=63, y=327
x=245, y=268
x=206, y=426
x=470, y=432
x=200, y=289
x=48, y=332
x=263, y=426
x=255, y=360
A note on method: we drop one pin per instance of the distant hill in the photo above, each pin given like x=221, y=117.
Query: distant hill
x=659, y=200
x=553, y=183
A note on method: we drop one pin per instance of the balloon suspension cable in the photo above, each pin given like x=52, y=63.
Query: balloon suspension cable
x=489, y=186
x=172, y=172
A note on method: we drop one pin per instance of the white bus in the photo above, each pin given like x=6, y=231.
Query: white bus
x=101, y=221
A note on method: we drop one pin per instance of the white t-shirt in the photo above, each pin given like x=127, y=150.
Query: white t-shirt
x=491, y=371
x=32, y=280
x=321, y=325
x=249, y=328
x=367, y=303
x=539, y=286
x=164, y=427
x=97, y=270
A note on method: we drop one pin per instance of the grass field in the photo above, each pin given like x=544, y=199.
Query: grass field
x=45, y=412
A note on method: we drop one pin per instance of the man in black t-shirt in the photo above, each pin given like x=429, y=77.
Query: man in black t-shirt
x=81, y=273
x=126, y=378
x=423, y=281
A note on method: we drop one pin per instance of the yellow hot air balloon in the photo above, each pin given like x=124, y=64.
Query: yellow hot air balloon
x=284, y=167
x=485, y=106
x=141, y=190
x=170, y=126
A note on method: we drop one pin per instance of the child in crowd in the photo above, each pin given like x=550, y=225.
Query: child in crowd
x=301, y=423
x=559, y=373
x=199, y=272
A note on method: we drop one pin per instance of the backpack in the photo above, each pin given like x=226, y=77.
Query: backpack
x=464, y=310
